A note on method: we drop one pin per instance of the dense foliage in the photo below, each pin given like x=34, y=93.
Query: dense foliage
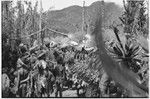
x=113, y=68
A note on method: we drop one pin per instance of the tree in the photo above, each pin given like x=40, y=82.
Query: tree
x=8, y=27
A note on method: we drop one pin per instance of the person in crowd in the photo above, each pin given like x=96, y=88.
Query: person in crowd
x=22, y=69
x=45, y=76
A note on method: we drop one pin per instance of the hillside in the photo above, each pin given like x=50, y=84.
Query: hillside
x=69, y=19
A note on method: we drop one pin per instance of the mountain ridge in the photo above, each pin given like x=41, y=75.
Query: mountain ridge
x=69, y=20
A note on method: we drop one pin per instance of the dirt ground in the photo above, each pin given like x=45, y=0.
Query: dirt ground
x=67, y=93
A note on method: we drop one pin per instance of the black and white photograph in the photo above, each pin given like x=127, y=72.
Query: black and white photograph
x=74, y=48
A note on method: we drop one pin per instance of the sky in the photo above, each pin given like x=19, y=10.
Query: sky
x=60, y=4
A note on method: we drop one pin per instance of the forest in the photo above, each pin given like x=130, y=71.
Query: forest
x=99, y=50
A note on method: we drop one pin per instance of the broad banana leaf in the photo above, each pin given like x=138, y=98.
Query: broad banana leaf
x=118, y=72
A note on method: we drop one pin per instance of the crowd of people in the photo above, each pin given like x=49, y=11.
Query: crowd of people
x=40, y=70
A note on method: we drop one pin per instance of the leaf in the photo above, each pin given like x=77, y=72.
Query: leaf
x=118, y=52
x=135, y=49
x=126, y=47
x=119, y=49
